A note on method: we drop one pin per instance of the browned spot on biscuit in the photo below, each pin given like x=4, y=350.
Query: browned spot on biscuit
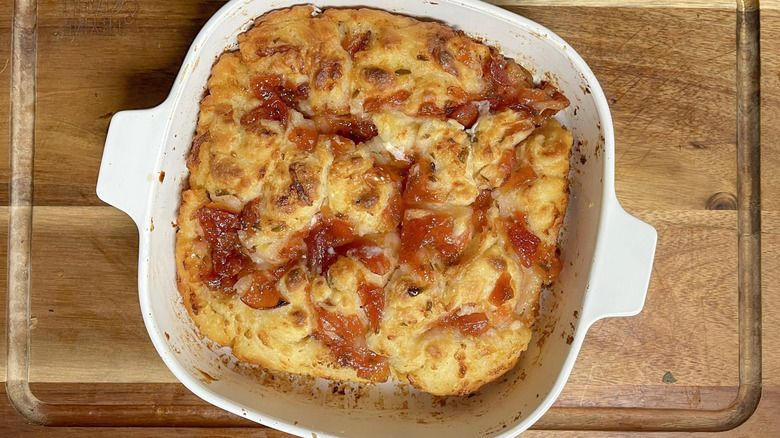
x=283, y=202
x=356, y=43
x=269, y=51
x=462, y=369
x=193, y=305
x=499, y=264
x=378, y=77
x=299, y=318
x=263, y=336
x=367, y=200
x=224, y=169
x=300, y=191
x=460, y=356
x=389, y=38
x=447, y=62
x=225, y=112
x=330, y=71
x=193, y=160
x=496, y=371
x=440, y=54
x=295, y=279
x=260, y=130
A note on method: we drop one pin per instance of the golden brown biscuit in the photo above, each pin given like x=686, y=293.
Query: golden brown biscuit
x=372, y=197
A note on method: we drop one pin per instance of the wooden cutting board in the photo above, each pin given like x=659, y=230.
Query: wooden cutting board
x=669, y=74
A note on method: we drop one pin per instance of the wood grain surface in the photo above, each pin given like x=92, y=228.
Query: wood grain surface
x=668, y=70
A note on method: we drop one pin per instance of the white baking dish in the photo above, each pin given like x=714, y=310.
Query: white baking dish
x=607, y=253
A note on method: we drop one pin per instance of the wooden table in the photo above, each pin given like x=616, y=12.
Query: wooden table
x=669, y=74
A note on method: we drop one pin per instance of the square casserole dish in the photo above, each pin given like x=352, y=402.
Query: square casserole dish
x=607, y=253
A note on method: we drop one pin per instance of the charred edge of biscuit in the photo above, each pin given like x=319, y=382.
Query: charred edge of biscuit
x=301, y=192
x=367, y=200
x=282, y=302
x=299, y=189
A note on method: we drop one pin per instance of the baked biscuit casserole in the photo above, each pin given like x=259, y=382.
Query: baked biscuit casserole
x=372, y=197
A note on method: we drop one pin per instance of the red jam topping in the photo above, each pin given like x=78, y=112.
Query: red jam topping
x=325, y=236
x=273, y=110
x=417, y=183
x=530, y=249
x=503, y=291
x=373, y=298
x=220, y=228
x=472, y=324
x=465, y=114
x=518, y=178
x=345, y=337
x=356, y=42
x=262, y=292
x=523, y=241
x=270, y=88
x=432, y=231
x=368, y=253
x=304, y=139
x=374, y=103
x=356, y=129
x=480, y=207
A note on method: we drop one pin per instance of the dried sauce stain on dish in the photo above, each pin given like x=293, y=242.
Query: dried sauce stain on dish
x=372, y=198
x=207, y=378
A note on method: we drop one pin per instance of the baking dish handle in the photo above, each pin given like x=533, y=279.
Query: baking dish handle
x=127, y=170
x=622, y=266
